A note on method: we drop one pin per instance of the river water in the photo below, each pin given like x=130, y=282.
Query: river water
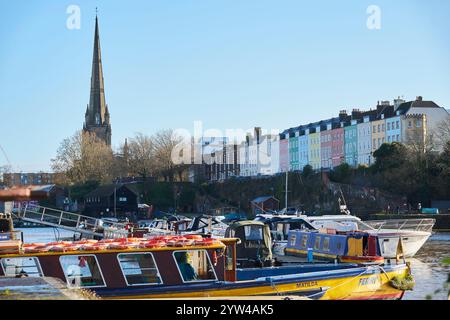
x=428, y=270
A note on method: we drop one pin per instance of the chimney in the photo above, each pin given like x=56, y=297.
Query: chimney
x=356, y=114
x=398, y=102
x=257, y=134
x=419, y=98
x=342, y=115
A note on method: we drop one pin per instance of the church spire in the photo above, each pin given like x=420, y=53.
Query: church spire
x=97, y=102
x=97, y=117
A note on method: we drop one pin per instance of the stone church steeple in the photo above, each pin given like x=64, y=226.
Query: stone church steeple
x=97, y=118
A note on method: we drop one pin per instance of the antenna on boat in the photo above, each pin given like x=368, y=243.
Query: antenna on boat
x=342, y=204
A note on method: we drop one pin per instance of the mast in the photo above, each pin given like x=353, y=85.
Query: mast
x=286, y=191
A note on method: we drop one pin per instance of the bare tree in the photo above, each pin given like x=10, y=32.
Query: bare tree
x=165, y=142
x=121, y=163
x=442, y=133
x=81, y=158
x=141, y=156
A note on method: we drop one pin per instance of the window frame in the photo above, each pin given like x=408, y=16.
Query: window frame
x=83, y=255
x=326, y=240
x=317, y=243
x=140, y=284
x=38, y=265
x=194, y=281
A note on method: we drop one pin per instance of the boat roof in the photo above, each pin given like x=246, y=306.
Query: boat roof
x=333, y=217
x=242, y=223
x=215, y=244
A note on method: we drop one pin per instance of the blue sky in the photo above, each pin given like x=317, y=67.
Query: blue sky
x=228, y=63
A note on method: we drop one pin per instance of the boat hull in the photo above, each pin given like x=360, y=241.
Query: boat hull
x=412, y=241
x=388, y=241
x=359, y=283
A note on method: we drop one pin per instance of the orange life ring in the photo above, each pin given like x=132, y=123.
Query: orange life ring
x=193, y=236
x=184, y=243
x=118, y=246
x=33, y=245
x=93, y=247
x=107, y=241
x=57, y=248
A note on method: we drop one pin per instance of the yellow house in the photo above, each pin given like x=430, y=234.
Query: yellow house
x=314, y=150
x=414, y=130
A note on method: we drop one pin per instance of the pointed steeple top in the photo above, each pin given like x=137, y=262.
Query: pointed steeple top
x=97, y=117
x=97, y=104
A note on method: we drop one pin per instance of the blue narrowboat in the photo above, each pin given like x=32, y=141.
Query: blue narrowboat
x=354, y=247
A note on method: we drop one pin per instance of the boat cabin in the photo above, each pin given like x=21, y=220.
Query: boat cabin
x=280, y=227
x=255, y=248
x=121, y=266
x=357, y=247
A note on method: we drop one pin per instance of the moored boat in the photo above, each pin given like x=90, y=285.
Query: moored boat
x=176, y=267
x=353, y=247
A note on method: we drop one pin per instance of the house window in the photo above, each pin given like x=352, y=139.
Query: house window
x=409, y=124
x=194, y=266
x=139, y=268
x=398, y=124
x=28, y=266
x=82, y=271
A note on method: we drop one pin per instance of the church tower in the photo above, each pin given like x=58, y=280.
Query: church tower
x=97, y=114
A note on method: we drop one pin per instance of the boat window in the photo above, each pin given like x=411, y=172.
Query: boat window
x=287, y=227
x=230, y=262
x=304, y=241
x=139, y=268
x=253, y=233
x=280, y=227
x=326, y=244
x=317, y=243
x=194, y=265
x=28, y=267
x=82, y=271
x=292, y=240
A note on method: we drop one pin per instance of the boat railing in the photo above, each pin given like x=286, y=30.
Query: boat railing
x=69, y=220
x=403, y=224
x=11, y=235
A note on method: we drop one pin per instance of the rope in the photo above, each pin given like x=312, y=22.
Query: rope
x=274, y=287
x=384, y=271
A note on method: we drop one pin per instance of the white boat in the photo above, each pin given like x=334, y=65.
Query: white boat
x=413, y=232
x=203, y=224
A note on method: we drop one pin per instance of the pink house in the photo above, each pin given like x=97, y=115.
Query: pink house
x=325, y=148
x=337, y=147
